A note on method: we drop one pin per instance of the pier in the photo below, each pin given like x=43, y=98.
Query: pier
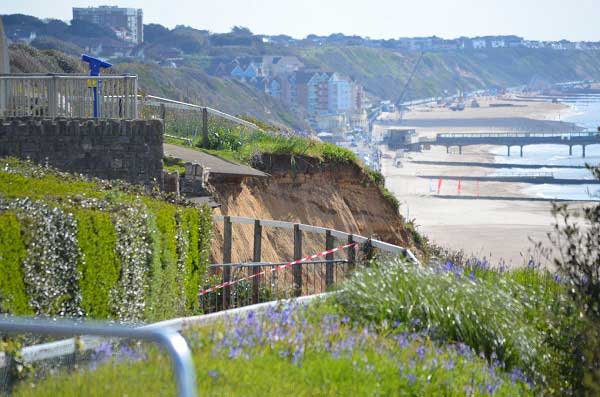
x=520, y=139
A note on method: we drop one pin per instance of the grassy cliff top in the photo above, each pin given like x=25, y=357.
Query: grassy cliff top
x=24, y=179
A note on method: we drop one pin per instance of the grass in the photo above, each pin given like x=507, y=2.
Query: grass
x=302, y=352
x=20, y=179
x=505, y=316
x=241, y=145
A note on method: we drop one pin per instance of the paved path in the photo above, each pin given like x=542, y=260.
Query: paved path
x=216, y=164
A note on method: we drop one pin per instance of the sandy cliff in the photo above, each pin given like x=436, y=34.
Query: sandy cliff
x=305, y=190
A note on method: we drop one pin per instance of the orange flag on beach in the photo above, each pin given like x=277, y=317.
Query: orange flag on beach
x=439, y=186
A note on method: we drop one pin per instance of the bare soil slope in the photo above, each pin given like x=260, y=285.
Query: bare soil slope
x=305, y=190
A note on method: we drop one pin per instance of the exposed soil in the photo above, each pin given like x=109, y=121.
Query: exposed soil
x=305, y=190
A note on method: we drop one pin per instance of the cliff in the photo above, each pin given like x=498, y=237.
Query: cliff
x=306, y=190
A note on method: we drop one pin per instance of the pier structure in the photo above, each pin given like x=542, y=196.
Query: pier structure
x=520, y=139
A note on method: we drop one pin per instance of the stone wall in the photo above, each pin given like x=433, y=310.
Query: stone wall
x=131, y=150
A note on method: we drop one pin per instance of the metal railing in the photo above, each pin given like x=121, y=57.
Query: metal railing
x=187, y=121
x=170, y=339
x=268, y=283
x=299, y=279
x=55, y=95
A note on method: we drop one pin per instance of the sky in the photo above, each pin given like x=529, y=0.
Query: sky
x=574, y=20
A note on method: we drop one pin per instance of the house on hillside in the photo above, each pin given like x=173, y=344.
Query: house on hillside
x=479, y=43
x=278, y=65
x=247, y=68
x=274, y=88
x=221, y=68
x=497, y=43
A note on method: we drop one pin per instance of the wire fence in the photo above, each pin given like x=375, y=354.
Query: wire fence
x=196, y=124
x=257, y=261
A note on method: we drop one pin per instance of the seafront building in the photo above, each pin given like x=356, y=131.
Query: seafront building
x=127, y=23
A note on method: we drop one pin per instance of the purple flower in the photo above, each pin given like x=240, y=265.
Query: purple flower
x=412, y=378
x=421, y=352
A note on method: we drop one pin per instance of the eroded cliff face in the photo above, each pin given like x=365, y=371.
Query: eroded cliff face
x=304, y=190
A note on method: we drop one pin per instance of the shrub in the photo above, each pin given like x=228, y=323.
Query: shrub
x=12, y=253
x=577, y=239
x=90, y=247
x=496, y=316
x=164, y=291
x=188, y=239
x=98, y=264
x=50, y=267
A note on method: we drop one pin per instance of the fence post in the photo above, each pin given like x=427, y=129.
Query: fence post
x=351, y=253
x=3, y=97
x=205, y=127
x=227, y=242
x=297, y=269
x=125, y=113
x=52, y=97
x=134, y=96
x=256, y=257
x=368, y=250
x=328, y=257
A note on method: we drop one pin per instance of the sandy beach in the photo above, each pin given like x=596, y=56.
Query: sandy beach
x=500, y=230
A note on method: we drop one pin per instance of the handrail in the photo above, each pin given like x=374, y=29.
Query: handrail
x=170, y=103
x=175, y=344
x=40, y=76
x=394, y=249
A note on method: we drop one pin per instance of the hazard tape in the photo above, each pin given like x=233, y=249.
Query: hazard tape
x=276, y=268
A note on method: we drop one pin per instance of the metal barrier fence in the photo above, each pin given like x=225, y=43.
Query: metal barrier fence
x=54, y=95
x=302, y=279
x=273, y=285
x=97, y=342
x=188, y=122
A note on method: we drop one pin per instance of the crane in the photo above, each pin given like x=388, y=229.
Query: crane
x=408, y=80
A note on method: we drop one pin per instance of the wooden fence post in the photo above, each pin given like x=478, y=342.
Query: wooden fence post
x=328, y=257
x=205, y=142
x=256, y=257
x=351, y=253
x=227, y=243
x=297, y=269
x=368, y=250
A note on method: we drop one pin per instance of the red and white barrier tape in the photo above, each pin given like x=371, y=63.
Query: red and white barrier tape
x=276, y=268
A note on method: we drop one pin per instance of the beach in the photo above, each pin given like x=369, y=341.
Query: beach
x=501, y=225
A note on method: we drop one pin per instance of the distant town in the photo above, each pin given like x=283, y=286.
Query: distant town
x=328, y=100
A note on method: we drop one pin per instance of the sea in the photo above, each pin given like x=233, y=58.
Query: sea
x=583, y=112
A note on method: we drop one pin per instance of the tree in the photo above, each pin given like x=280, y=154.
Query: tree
x=577, y=238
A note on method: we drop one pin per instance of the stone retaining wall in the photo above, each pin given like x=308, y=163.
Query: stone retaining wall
x=131, y=150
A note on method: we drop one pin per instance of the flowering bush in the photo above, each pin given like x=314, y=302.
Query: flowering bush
x=492, y=312
x=75, y=247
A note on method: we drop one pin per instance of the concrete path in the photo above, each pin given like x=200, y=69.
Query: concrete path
x=217, y=165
